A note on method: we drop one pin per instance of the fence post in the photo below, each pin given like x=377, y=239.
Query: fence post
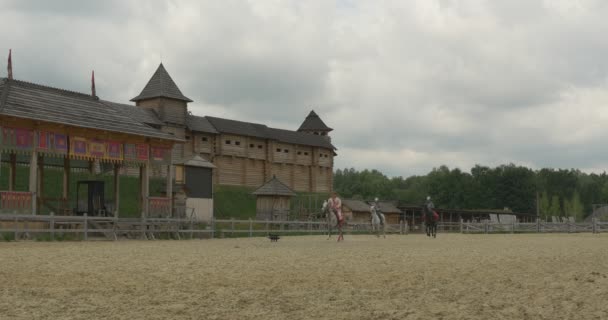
x=52, y=225
x=267, y=225
x=86, y=226
x=15, y=226
x=537, y=225
x=309, y=227
x=461, y=225
x=212, y=227
x=513, y=227
x=143, y=228
x=593, y=225
x=485, y=226
x=191, y=227
x=232, y=227
x=250, y=228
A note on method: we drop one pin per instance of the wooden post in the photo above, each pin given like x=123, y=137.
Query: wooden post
x=40, y=182
x=461, y=225
x=33, y=181
x=52, y=226
x=66, y=183
x=12, y=172
x=212, y=227
x=538, y=225
x=86, y=227
x=250, y=228
x=15, y=227
x=116, y=190
x=267, y=225
x=169, y=187
x=144, y=174
x=593, y=226
x=232, y=227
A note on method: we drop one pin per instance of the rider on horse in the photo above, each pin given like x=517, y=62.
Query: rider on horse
x=378, y=210
x=336, y=206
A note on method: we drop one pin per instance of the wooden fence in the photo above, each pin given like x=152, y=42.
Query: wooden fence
x=53, y=227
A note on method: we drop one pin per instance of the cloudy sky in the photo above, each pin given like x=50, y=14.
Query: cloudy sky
x=407, y=85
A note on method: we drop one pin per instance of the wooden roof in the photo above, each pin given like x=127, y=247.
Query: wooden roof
x=200, y=124
x=314, y=123
x=274, y=187
x=161, y=85
x=261, y=131
x=356, y=205
x=37, y=102
x=388, y=207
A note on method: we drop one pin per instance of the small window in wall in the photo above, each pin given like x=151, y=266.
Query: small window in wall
x=278, y=149
x=320, y=155
x=228, y=142
x=305, y=153
x=286, y=151
x=204, y=139
x=259, y=146
x=299, y=152
x=325, y=156
x=251, y=145
x=316, y=133
x=238, y=143
x=187, y=137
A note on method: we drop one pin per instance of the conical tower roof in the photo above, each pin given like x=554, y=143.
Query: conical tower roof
x=161, y=85
x=314, y=123
x=274, y=187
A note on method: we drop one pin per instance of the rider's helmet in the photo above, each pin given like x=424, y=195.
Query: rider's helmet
x=376, y=199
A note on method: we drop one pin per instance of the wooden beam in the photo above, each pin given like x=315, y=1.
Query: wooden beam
x=144, y=177
x=169, y=191
x=33, y=181
x=116, y=189
x=66, y=178
x=12, y=175
x=40, y=182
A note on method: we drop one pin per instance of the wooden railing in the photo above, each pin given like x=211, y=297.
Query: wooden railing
x=16, y=202
x=52, y=227
x=159, y=207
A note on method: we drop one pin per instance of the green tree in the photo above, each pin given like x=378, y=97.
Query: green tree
x=545, y=205
x=576, y=207
x=555, y=209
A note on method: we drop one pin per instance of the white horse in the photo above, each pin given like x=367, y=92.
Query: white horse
x=332, y=221
x=378, y=221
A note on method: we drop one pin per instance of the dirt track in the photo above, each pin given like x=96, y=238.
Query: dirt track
x=401, y=277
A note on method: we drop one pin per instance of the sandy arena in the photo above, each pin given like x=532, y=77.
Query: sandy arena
x=402, y=277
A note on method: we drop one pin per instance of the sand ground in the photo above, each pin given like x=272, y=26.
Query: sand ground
x=455, y=276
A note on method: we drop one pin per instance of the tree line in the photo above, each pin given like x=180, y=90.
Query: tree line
x=556, y=192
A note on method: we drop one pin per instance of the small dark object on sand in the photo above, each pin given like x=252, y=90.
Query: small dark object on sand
x=274, y=237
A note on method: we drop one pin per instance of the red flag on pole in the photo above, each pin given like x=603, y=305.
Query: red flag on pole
x=93, y=84
x=9, y=68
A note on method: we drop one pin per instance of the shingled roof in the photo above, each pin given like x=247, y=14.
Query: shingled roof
x=356, y=205
x=313, y=122
x=161, y=85
x=274, y=187
x=145, y=115
x=200, y=124
x=37, y=102
x=257, y=130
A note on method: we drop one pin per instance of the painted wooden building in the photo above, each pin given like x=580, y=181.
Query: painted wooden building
x=244, y=153
x=45, y=128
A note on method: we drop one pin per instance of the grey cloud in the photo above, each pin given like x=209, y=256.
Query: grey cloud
x=421, y=83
